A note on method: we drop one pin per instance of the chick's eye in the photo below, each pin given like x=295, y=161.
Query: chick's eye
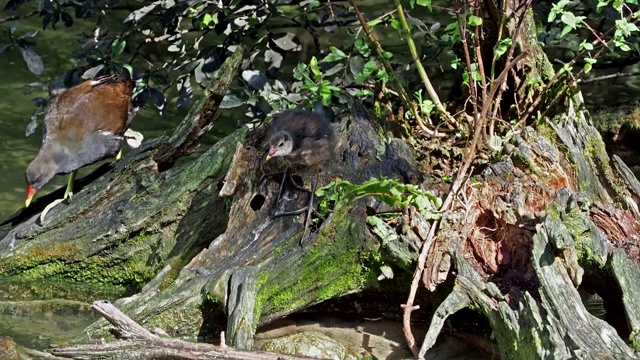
x=281, y=144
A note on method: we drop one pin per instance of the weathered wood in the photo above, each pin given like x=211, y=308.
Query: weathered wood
x=255, y=271
x=139, y=343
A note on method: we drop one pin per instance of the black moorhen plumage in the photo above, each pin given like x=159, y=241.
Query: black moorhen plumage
x=82, y=125
x=301, y=137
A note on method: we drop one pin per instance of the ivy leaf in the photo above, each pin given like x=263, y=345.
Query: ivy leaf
x=315, y=70
x=32, y=126
x=117, y=47
x=184, y=95
x=502, y=47
x=14, y=4
x=287, y=42
x=335, y=55
x=92, y=72
x=28, y=34
x=255, y=79
x=588, y=64
x=66, y=19
x=157, y=97
x=207, y=19
x=475, y=20
x=140, y=13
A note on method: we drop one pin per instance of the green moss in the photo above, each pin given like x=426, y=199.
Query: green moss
x=634, y=341
x=329, y=268
x=179, y=321
x=526, y=161
x=110, y=266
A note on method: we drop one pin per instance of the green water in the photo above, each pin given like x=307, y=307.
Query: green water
x=37, y=314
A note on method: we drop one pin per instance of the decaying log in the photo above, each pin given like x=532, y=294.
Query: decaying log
x=136, y=342
x=531, y=235
x=204, y=231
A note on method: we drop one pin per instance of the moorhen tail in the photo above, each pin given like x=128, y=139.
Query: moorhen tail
x=301, y=137
x=82, y=125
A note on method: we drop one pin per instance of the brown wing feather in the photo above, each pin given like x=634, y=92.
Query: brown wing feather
x=87, y=108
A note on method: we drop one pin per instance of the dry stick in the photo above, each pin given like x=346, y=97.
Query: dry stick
x=476, y=44
x=140, y=343
x=401, y=91
x=379, y=18
x=457, y=185
x=465, y=47
x=426, y=246
x=483, y=85
x=497, y=84
x=423, y=74
x=512, y=49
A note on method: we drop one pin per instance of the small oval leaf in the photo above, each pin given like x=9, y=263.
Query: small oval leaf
x=117, y=47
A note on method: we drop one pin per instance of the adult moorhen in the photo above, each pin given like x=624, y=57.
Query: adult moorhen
x=82, y=125
x=301, y=137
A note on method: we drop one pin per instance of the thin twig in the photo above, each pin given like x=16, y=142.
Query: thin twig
x=385, y=62
x=569, y=85
x=608, y=77
x=465, y=48
x=512, y=50
x=421, y=71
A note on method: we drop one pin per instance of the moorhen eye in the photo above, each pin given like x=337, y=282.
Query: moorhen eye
x=100, y=112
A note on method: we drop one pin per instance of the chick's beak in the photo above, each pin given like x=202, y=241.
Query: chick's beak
x=272, y=151
x=30, y=192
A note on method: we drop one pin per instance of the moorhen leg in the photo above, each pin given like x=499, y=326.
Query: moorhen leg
x=281, y=189
x=308, y=209
x=68, y=193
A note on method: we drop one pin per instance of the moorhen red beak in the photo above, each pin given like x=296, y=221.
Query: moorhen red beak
x=301, y=137
x=82, y=125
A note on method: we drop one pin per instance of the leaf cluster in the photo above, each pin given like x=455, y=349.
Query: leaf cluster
x=390, y=191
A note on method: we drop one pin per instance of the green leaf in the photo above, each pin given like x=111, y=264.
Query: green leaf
x=369, y=68
x=586, y=45
x=495, y=142
x=455, y=63
x=475, y=20
x=207, y=19
x=300, y=72
x=315, y=70
x=565, y=31
x=335, y=55
x=502, y=47
x=362, y=47
x=569, y=19
x=117, y=47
